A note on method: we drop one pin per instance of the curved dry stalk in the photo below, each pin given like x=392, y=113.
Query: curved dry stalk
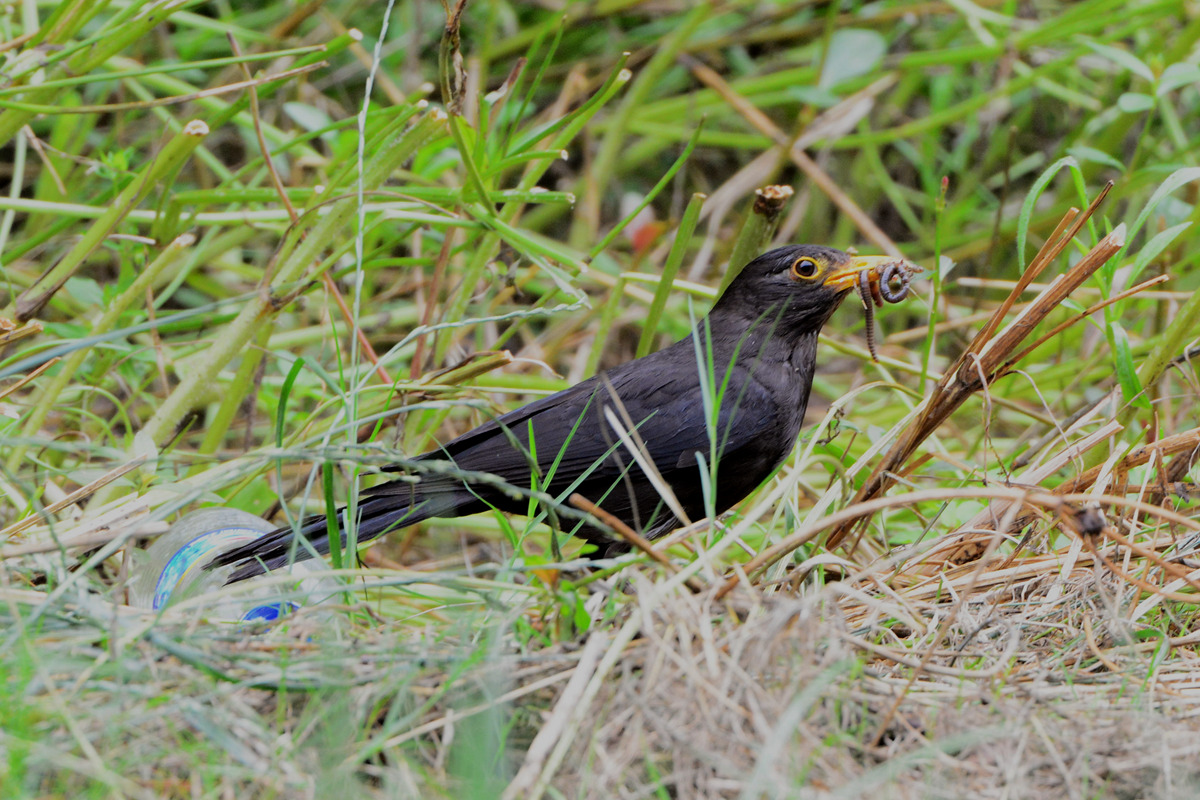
x=981, y=363
x=1169, y=445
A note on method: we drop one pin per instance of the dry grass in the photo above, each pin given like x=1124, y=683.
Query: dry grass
x=1010, y=702
x=1032, y=681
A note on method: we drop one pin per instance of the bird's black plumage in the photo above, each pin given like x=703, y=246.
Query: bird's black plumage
x=758, y=350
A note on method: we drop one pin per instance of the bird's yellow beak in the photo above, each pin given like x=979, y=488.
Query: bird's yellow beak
x=847, y=277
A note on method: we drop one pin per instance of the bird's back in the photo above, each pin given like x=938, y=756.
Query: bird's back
x=658, y=403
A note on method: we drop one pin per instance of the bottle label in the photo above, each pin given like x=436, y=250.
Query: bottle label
x=194, y=555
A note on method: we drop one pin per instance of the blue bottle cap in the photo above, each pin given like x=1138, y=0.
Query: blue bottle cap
x=269, y=612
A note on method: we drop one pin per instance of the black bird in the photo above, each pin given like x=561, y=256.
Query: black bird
x=757, y=353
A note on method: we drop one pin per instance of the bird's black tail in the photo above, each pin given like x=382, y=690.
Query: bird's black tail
x=384, y=509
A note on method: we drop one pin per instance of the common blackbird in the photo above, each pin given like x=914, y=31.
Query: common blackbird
x=729, y=399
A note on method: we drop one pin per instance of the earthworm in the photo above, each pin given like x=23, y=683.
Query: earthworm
x=893, y=282
x=865, y=292
x=892, y=286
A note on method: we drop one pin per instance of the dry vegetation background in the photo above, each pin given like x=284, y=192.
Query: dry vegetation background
x=976, y=577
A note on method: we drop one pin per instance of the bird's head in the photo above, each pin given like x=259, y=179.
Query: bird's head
x=801, y=285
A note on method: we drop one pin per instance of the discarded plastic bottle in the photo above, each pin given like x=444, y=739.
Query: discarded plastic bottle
x=173, y=569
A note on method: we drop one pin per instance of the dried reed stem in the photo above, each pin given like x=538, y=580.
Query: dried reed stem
x=990, y=353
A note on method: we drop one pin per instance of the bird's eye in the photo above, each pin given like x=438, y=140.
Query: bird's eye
x=805, y=268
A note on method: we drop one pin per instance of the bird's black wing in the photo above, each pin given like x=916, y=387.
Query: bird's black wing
x=571, y=438
x=575, y=436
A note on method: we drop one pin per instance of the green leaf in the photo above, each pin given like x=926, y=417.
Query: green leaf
x=946, y=265
x=813, y=96
x=1176, y=179
x=145, y=448
x=683, y=237
x=1177, y=76
x=1131, y=387
x=1072, y=305
x=85, y=291
x=1092, y=155
x=281, y=412
x=308, y=117
x=1153, y=247
x=580, y=616
x=1127, y=60
x=852, y=52
x=1031, y=199
x=331, y=526
x=1135, y=102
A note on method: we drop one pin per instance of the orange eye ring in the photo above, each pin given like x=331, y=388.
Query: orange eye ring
x=805, y=269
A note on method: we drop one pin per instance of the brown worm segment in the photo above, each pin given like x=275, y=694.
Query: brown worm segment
x=876, y=296
x=866, y=292
x=893, y=282
x=892, y=286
